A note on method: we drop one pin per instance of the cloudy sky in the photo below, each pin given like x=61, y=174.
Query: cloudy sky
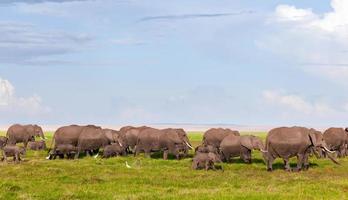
x=184, y=61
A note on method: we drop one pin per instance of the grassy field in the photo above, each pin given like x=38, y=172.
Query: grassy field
x=89, y=178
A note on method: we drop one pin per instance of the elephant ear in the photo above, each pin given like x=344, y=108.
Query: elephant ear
x=313, y=137
x=246, y=142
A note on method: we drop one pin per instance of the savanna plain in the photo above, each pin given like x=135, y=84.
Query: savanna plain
x=155, y=178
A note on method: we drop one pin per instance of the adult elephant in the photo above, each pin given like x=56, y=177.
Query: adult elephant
x=23, y=133
x=214, y=136
x=114, y=136
x=287, y=142
x=169, y=141
x=129, y=134
x=336, y=140
x=233, y=146
x=91, y=139
x=66, y=135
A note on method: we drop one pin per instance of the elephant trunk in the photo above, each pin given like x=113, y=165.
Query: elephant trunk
x=262, y=148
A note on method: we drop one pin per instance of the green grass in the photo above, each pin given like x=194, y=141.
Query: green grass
x=89, y=178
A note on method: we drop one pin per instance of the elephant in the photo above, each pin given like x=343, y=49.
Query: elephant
x=66, y=135
x=14, y=151
x=115, y=137
x=287, y=142
x=3, y=141
x=205, y=161
x=206, y=149
x=166, y=140
x=113, y=150
x=65, y=149
x=214, y=136
x=91, y=139
x=233, y=146
x=336, y=140
x=37, y=145
x=129, y=135
x=23, y=133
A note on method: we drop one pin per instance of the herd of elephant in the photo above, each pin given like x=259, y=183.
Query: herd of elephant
x=218, y=145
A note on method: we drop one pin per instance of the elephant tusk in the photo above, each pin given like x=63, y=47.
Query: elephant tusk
x=263, y=151
x=188, y=145
x=120, y=143
x=326, y=149
x=96, y=155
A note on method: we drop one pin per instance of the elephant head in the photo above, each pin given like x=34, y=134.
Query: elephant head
x=38, y=131
x=252, y=142
x=178, y=136
x=318, y=143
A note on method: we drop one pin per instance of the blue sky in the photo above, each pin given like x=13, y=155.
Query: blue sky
x=129, y=61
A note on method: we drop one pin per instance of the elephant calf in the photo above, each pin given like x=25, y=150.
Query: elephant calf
x=14, y=151
x=113, y=150
x=205, y=161
x=206, y=149
x=37, y=145
x=3, y=141
x=63, y=149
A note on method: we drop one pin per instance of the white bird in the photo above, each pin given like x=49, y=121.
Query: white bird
x=128, y=165
x=96, y=155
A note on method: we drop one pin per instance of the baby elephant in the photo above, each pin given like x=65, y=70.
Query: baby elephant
x=112, y=150
x=14, y=151
x=205, y=161
x=63, y=149
x=206, y=149
x=37, y=145
x=3, y=141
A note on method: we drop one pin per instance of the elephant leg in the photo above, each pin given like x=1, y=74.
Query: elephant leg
x=306, y=162
x=227, y=157
x=270, y=163
x=3, y=156
x=287, y=164
x=194, y=165
x=148, y=153
x=207, y=164
x=341, y=151
x=77, y=153
x=16, y=158
x=165, y=155
x=300, y=158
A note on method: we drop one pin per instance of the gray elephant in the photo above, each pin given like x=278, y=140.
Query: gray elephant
x=336, y=140
x=206, y=149
x=115, y=137
x=13, y=151
x=113, y=150
x=23, y=133
x=129, y=135
x=91, y=139
x=214, y=136
x=233, y=146
x=205, y=161
x=3, y=141
x=37, y=145
x=287, y=142
x=63, y=150
x=167, y=141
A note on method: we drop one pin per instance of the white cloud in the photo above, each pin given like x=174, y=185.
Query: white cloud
x=11, y=104
x=296, y=103
x=291, y=13
x=317, y=43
